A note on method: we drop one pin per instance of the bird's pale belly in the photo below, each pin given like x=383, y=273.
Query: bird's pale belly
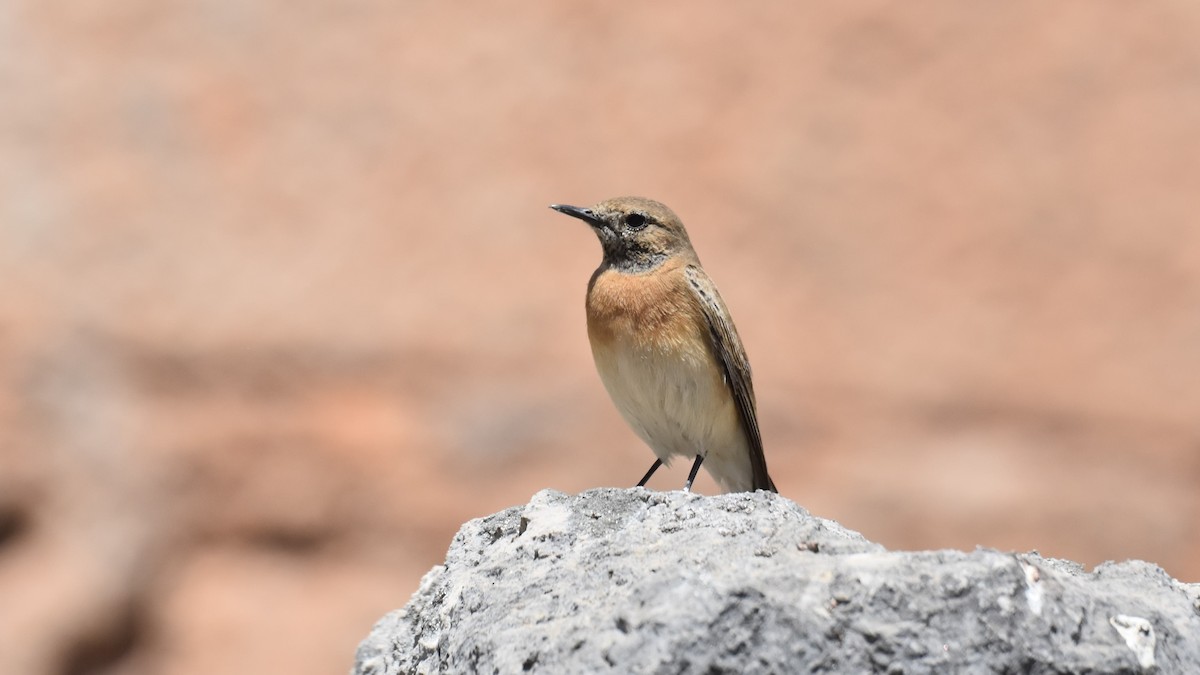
x=678, y=403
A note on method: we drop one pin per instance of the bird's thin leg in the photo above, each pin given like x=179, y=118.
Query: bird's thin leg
x=687, y=487
x=653, y=467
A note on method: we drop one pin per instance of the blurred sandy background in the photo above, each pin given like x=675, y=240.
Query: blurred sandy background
x=283, y=305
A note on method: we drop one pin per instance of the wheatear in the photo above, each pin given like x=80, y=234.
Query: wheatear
x=666, y=347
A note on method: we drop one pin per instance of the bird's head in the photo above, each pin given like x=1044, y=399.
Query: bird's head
x=637, y=234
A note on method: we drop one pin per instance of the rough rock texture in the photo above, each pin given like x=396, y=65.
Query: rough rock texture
x=670, y=582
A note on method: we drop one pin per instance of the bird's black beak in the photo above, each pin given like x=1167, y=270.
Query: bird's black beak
x=585, y=215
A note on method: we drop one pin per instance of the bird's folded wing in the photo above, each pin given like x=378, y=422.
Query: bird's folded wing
x=729, y=352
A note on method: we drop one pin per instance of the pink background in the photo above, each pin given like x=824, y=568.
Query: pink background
x=282, y=304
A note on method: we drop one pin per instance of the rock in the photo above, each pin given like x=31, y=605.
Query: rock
x=671, y=582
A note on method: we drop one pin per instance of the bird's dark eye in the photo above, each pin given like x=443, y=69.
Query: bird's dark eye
x=635, y=221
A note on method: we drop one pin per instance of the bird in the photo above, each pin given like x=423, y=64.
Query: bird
x=666, y=347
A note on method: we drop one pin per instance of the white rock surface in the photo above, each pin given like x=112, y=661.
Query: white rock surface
x=669, y=582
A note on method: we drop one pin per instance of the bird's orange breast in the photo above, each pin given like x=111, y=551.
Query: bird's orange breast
x=654, y=312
